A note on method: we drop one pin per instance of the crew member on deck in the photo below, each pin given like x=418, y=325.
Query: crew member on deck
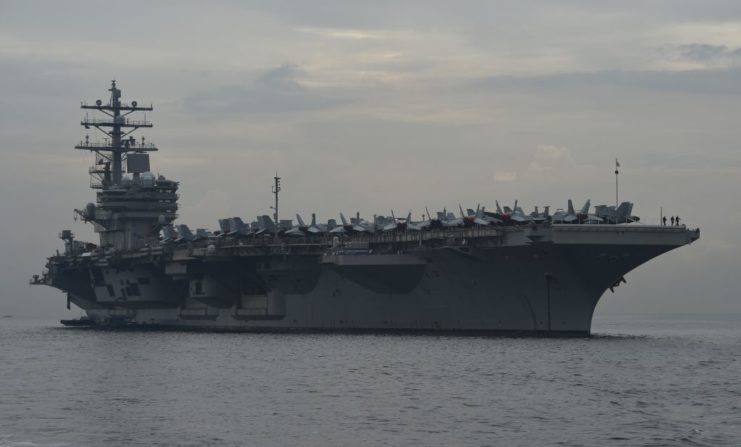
x=664, y=219
x=672, y=220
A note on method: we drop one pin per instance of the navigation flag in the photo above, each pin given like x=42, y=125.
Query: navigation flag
x=617, y=165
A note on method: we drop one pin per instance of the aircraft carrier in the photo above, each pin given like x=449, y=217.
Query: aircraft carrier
x=501, y=271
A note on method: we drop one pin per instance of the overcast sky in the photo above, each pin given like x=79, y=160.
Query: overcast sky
x=373, y=106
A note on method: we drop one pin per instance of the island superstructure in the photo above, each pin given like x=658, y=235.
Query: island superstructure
x=502, y=271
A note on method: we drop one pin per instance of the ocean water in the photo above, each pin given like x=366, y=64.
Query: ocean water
x=640, y=381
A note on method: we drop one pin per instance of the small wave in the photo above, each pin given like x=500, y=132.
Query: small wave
x=598, y=337
x=10, y=443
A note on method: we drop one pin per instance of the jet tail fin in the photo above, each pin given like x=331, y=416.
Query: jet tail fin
x=237, y=225
x=300, y=221
x=623, y=212
x=571, y=207
x=168, y=234
x=268, y=222
x=185, y=233
x=479, y=211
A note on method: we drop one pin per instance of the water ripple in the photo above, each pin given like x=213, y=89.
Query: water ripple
x=638, y=382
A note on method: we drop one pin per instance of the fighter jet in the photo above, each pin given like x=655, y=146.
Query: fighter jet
x=349, y=227
x=585, y=217
x=397, y=224
x=263, y=225
x=297, y=230
x=538, y=217
x=455, y=221
x=363, y=226
x=493, y=217
x=238, y=228
x=569, y=216
x=621, y=215
x=624, y=213
x=572, y=217
x=168, y=234
x=424, y=223
x=474, y=218
x=512, y=215
x=313, y=228
x=184, y=233
x=234, y=227
x=202, y=234
x=223, y=228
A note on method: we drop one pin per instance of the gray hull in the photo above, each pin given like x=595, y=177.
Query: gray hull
x=545, y=280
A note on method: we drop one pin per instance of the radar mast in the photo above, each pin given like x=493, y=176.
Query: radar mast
x=116, y=147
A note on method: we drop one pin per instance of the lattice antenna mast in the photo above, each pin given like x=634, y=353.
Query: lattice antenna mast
x=110, y=154
x=276, y=191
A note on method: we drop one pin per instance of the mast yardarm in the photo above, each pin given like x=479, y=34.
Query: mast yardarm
x=118, y=143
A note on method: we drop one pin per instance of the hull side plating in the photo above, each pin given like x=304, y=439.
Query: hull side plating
x=538, y=288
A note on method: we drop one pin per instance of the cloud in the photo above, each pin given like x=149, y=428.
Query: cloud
x=505, y=176
x=277, y=90
x=350, y=34
x=705, y=52
x=700, y=56
x=283, y=78
x=549, y=157
x=723, y=81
